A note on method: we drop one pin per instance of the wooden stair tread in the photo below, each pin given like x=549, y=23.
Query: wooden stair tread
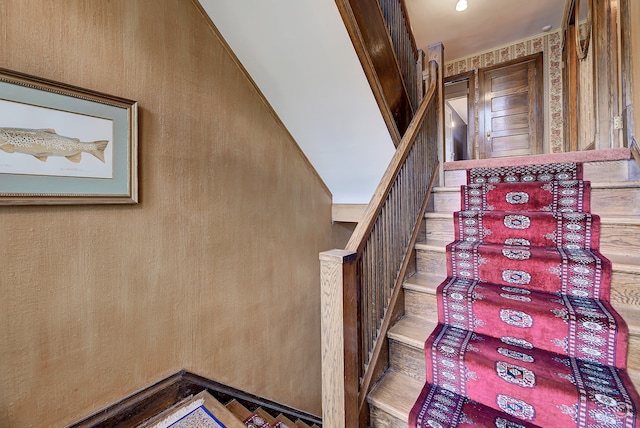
x=446, y=189
x=615, y=184
x=395, y=394
x=412, y=331
x=432, y=245
x=423, y=282
x=439, y=215
x=630, y=220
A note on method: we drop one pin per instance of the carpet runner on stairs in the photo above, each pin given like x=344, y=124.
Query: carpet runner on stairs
x=526, y=334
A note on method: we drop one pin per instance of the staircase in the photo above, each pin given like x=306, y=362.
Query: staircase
x=205, y=410
x=615, y=197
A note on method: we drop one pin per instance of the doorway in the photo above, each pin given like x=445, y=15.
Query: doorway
x=510, y=109
x=459, y=117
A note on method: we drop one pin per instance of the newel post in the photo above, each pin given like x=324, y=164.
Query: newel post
x=339, y=313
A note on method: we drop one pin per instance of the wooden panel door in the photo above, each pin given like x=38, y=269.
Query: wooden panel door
x=510, y=111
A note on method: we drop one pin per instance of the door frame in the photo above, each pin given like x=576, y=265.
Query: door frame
x=470, y=78
x=540, y=126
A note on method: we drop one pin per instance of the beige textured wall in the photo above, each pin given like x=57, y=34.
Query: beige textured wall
x=215, y=271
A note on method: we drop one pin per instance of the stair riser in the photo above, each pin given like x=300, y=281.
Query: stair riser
x=615, y=201
x=455, y=178
x=604, y=201
x=621, y=170
x=421, y=305
x=624, y=285
x=439, y=229
x=614, y=238
x=408, y=360
x=446, y=201
x=431, y=262
x=625, y=289
x=618, y=238
x=381, y=419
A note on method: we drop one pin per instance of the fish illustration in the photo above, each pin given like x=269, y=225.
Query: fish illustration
x=42, y=143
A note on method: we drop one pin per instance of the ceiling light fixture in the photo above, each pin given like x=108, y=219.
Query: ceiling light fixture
x=461, y=5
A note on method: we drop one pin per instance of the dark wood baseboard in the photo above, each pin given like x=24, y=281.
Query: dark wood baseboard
x=148, y=402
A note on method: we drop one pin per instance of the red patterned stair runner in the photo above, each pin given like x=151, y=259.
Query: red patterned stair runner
x=526, y=334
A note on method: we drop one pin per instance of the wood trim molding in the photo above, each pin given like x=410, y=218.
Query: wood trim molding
x=347, y=213
x=148, y=402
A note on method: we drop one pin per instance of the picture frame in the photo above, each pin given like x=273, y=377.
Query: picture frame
x=61, y=144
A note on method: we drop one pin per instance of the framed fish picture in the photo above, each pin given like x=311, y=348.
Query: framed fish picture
x=61, y=144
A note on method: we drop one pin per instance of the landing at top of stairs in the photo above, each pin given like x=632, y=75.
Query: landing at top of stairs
x=583, y=157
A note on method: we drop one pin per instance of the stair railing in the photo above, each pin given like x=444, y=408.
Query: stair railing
x=404, y=45
x=361, y=284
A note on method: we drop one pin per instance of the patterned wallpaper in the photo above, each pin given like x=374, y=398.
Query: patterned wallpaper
x=550, y=45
